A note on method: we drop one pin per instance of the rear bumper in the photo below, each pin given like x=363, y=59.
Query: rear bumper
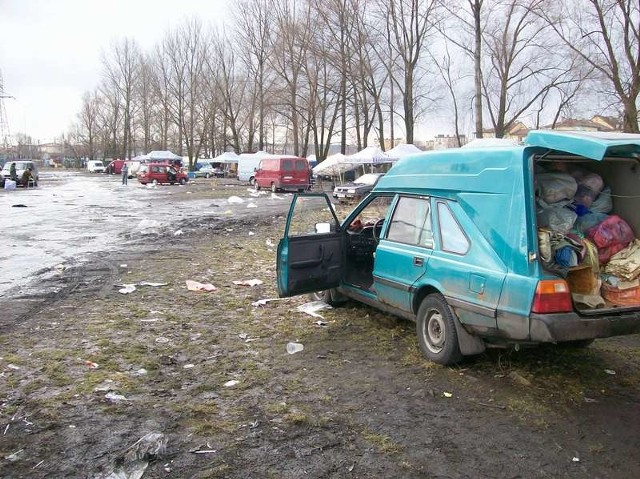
x=550, y=328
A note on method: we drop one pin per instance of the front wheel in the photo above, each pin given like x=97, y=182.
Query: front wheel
x=329, y=296
x=436, y=331
x=273, y=188
x=183, y=181
x=154, y=182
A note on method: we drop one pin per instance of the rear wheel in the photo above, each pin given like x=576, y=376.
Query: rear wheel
x=436, y=331
x=273, y=188
x=154, y=182
x=252, y=181
x=183, y=181
x=207, y=175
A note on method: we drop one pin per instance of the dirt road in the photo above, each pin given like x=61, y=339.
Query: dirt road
x=86, y=371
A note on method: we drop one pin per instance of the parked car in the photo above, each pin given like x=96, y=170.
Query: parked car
x=460, y=241
x=114, y=167
x=285, y=173
x=357, y=189
x=21, y=166
x=95, y=166
x=159, y=173
x=208, y=171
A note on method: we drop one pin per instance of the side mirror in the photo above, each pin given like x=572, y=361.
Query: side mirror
x=323, y=228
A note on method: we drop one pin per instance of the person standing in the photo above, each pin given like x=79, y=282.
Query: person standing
x=125, y=173
x=12, y=172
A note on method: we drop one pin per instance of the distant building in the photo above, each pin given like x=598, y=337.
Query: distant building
x=596, y=123
x=444, y=142
x=518, y=131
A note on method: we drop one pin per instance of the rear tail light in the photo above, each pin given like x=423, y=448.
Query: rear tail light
x=552, y=296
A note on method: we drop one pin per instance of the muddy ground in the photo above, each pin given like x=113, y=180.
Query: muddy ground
x=86, y=371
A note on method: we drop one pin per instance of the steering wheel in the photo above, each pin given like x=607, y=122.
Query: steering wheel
x=378, y=224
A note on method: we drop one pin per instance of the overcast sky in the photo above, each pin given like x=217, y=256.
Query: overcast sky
x=50, y=51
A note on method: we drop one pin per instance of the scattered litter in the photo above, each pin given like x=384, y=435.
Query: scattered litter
x=113, y=397
x=19, y=206
x=312, y=308
x=350, y=468
x=235, y=199
x=276, y=197
x=14, y=456
x=127, y=288
x=148, y=283
x=243, y=336
x=263, y=302
x=188, y=366
x=248, y=282
x=91, y=364
x=252, y=205
x=60, y=267
x=231, y=383
x=123, y=265
x=269, y=243
x=178, y=233
x=497, y=406
x=150, y=320
x=162, y=340
x=132, y=463
x=37, y=465
x=228, y=230
x=195, y=286
x=201, y=450
x=576, y=459
x=590, y=400
x=610, y=371
x=320, y=323
x=149, y=226
x=293, y=348
x=251, y=233
x=13, y=366
x=106, y=386
x=141, y=372
x=5, y=430
x=447, y=395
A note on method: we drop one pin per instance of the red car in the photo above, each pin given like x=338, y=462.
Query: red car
x=160, y=173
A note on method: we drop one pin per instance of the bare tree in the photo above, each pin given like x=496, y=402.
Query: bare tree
x=411, y=23
x=121, y=69
x=87, y=131
x=521, y=64
x=606, y=34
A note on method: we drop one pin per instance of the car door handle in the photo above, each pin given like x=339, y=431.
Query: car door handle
x=418, y=261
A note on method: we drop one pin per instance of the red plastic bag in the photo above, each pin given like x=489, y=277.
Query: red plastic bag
x=610, y=236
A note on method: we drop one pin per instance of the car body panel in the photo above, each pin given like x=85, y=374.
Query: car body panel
x=358, y=188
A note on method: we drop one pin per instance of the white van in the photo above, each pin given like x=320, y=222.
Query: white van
x=95, y=166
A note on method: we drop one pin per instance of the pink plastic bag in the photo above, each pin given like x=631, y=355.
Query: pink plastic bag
x=610, y=236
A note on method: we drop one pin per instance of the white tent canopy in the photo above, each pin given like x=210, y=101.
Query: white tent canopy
x=226, y=157
x=158, y=155
x=400, y=151
x=333, y=165
x=369, y=155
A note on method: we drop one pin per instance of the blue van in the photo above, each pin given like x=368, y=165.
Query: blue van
x=451, y=240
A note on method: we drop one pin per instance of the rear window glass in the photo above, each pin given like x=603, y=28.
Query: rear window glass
x=287, y=165
x=301, y=165
x=451, y=234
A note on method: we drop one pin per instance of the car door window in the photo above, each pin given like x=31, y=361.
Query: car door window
x=451, y=234
x=411, y=222
x=312, y=215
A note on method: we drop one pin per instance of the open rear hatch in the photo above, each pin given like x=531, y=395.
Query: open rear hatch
x=587, y=188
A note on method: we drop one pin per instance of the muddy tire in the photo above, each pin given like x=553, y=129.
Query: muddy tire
x=182, y=181
x=256, y=186
x=273, y=188
x=436, y=330
x=207, y=176
x=154, y=182
x=252, y=181
x=329, y=296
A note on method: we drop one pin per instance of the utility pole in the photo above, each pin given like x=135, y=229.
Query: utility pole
x=5, y=133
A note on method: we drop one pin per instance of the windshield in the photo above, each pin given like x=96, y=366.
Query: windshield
x=368, y=179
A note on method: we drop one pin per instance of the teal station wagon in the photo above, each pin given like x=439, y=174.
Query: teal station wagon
x=452, y=240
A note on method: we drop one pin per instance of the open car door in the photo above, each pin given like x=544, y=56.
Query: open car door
x=310, y=255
